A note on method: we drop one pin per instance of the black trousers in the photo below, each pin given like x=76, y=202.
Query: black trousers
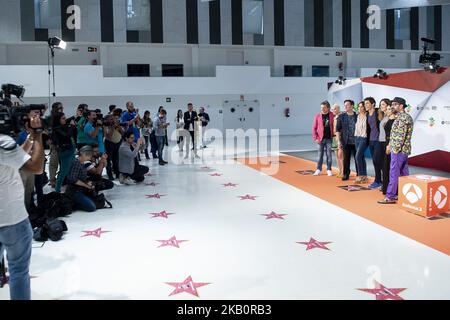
x=386, y=167
x=139, y=173
x=349, y=150
x=193, y=139
x=112, y=150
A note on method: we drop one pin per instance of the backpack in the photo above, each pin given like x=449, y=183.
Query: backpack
x=101, y=202
x=56, y=205
x=52, y=229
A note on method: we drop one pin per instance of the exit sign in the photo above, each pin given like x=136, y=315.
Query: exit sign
x=92, y=49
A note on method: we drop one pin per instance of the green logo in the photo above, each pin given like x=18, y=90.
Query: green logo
x=432, y=122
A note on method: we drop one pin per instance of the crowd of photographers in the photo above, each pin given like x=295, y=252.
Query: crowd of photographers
x=81, y=148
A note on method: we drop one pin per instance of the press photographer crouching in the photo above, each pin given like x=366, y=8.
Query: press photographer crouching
x=80, y=187
x=95, y=167
x=16, y=233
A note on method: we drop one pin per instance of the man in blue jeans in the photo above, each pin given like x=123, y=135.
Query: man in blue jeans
x=161, y=125
x=79, y=183
x=322, y=135
x=16, y=234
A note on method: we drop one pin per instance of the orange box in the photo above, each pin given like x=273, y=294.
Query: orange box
x=424, y=195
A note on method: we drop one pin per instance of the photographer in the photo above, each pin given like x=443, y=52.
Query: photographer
x=95, y=167
x=16, y=234
x=57, y=107
x=93, y=128
x=81, y=120
x=79, y=184
x=129, y=166
x=113, y=138
x=62, y=137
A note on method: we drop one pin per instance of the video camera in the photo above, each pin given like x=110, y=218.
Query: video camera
x=429, y=60
x=14, y=117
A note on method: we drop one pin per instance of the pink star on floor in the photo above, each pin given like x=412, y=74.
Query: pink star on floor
x=172, y=242
x=314, y=244
x=230, y=184
x=96, y=233
x=216, y=175
x=351, y=188
x=155, y=196
x=188, y=286
x=274, y=215
x=383, y=293
x=162, y=214
x=248, y=197
x=152, y=184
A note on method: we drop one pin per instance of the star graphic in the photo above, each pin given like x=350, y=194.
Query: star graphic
x=314, y=244
x=188, y=286
x=248, y=197
x=152, y=184
x=229, y=184
x=96, y=233
x=352, y=188
x=154, y=196
x=162, y=214
x=216, y=175
x=383, y=293
x=274, y=215
x=172, y=242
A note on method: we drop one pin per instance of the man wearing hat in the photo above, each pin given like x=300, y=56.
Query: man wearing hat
x=399, y=148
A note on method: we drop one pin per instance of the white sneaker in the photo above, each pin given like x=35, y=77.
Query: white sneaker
x=129, y=182
x=121, y=179
x=329, y=173
x=317, y=173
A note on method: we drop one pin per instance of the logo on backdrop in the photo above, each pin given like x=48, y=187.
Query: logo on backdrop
x=445, y=122
x=374, y=20
x=440, y=197
x=412, y=192
x=73, y=21
x=409, y=108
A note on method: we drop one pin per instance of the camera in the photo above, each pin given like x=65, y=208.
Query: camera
x=429, y=60
x=14, y=117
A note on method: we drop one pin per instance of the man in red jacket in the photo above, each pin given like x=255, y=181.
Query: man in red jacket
x=322, y=135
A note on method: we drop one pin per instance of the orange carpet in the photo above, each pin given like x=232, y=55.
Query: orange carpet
x=434, y=233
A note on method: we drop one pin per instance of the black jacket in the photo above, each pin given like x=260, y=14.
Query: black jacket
x=188, y=120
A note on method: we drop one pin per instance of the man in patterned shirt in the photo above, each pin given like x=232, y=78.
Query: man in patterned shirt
x=399, y=148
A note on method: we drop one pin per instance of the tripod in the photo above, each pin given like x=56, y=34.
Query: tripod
x=51, y=74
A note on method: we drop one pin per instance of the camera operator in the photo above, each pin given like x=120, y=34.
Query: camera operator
x=113, y=138
x=81, y=120
x=57, y=107
x=16, y=234
x=92, y=128
x=62, y=137
x=79, y=184
x=100, y=136
x=95, y=167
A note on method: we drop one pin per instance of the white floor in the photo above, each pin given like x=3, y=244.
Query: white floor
x=231, y=246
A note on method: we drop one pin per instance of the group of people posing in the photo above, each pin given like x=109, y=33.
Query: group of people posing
x=386, y=131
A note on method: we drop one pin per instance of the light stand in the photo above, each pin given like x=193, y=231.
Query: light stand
x=53, y=43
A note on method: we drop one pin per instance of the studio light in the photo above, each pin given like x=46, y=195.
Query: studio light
x=381, y=74
x=57, y=43
x=429, y=60
x=340, y=80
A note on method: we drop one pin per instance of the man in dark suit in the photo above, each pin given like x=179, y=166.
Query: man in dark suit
x=190, y=117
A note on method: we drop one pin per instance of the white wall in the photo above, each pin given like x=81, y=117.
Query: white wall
x=86, y=84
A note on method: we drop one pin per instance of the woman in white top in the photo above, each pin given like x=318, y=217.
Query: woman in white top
x=361, y=143
x=179, y=121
